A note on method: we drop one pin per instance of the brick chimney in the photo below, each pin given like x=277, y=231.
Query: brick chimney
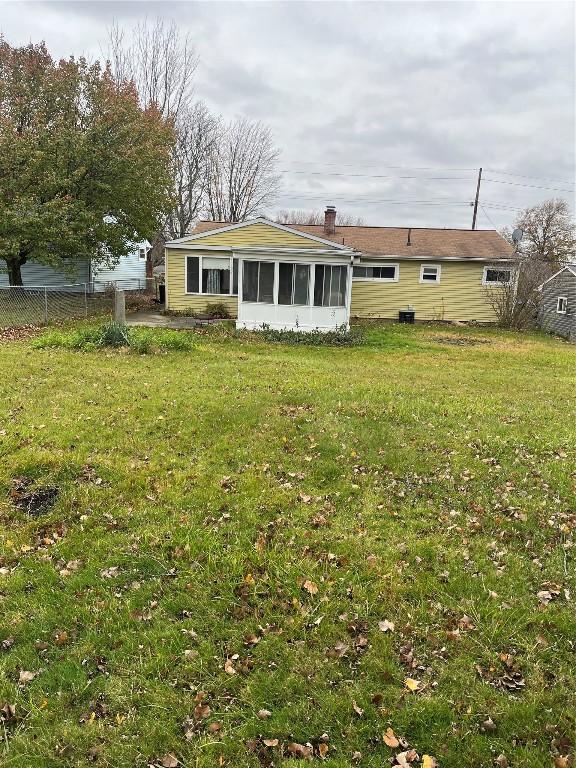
x=330, y=220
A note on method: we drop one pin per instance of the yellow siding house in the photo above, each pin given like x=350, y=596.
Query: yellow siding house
x=321, y=276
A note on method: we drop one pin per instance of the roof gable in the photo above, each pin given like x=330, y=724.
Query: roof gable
x=567, y=268
x=254, y=233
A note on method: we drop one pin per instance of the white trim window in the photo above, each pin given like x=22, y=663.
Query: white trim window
x=430, y=273
x=142, y=253
x=382, y=273
x=496, y=276
x=211, y=275
x=562, y=305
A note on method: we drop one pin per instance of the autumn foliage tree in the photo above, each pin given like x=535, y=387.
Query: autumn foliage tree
x=84, y=168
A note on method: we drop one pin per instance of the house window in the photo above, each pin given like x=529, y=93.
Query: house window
x=494, y=276
x=192, y=274
x=215, y=274
x=330, y=286
x=293, y=282
x=258, y=281
x=212, y=275
x=388, y=273
x=142, y=254
x=562, y=305
x=430, y=273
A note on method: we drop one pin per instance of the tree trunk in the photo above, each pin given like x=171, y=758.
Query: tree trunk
x=15, y=270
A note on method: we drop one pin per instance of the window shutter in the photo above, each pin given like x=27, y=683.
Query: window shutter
x=192, y=274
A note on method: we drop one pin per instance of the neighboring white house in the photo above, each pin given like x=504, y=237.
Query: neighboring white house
x=129, y=273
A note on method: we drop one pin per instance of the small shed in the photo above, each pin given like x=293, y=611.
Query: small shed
x=557, y=311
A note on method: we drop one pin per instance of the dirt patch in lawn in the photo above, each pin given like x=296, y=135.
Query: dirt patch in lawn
x=34, y=501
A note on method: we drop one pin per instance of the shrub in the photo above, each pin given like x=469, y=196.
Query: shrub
x=339, y=337
x=114, y=335
x=217, y=310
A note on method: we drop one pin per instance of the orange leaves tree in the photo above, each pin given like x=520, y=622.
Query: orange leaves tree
x=84, y=169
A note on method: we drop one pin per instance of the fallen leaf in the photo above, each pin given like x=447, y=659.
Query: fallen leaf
x=263, y=714
x=270, y=742
x=25, y=676
x=229, y=667
x=299, y=750
x=61, y=637
x=411, y=684
x=214, y=727
x=429, y=762
x=390, y=739
x=405, y=758
x=169, y=761
x=190, y=654
x=386, y=626
x=310, y=587
x=359, y=711
x=501, y=761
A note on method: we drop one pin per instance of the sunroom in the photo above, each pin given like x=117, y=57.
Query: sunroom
x=294, y=294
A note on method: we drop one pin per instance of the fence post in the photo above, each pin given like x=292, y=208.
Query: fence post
x=85, y=299
x=45, y=304
x=119, y=307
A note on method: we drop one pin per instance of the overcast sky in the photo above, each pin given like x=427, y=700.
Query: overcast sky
x=351, y=90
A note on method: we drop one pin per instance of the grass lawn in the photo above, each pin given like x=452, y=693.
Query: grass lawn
x=260, y=552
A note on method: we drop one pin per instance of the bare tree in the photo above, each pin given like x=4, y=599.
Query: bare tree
x=297, y=216
x=196, y=136
x=549, y=232
x=241, y=173
x=515, y=300
x=159, y=59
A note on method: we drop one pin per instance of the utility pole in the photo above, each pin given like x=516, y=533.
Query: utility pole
x=476, y=200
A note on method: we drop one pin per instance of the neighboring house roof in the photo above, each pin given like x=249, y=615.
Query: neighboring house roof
x=568, y=268
x=479, y=244
x=159, y=270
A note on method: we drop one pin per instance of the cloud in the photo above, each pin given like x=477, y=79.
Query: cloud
x=354, y=88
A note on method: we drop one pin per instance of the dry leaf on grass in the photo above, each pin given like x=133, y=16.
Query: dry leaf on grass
x=25, y=676
x=411, y=684
x=264, y=714
x=386, y=626
x=429, y=762
x=169, y=761
x=389, y=738
x=310, y=587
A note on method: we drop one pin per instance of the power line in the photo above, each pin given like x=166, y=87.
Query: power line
x=527, y=186
x=522, y=176
x=371, y=165
x=424, y=168
x=376, y=176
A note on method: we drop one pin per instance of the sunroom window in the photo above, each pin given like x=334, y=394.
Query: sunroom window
x=330, y=286
x=293, y=281
x=258, y=281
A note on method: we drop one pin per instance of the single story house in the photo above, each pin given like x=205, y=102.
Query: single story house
x=557, y=309
x=319, y=276
x=129, y=273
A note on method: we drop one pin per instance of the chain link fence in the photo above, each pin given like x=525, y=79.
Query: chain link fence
x=40, y=305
